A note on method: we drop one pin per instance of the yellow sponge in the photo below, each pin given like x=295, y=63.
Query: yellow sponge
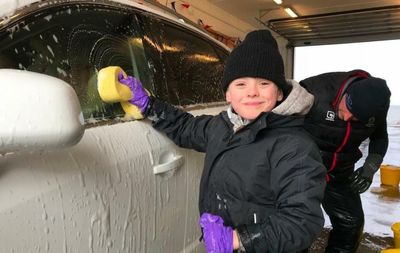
x=110, y=89
x=132, y=110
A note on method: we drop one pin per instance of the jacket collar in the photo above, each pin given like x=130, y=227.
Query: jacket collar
x=354, y=75
x=237, y=121
x=266, y=120
x=293, y=105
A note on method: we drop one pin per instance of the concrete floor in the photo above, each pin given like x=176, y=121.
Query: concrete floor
x=369, y=244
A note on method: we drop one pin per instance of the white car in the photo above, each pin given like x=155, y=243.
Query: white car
x=75, y=174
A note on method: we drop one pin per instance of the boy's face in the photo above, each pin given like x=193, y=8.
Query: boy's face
x=249, y=96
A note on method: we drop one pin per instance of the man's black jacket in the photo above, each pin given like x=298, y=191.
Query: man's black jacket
x=339, y=141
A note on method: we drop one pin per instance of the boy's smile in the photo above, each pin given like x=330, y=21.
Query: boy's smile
x=251, y=96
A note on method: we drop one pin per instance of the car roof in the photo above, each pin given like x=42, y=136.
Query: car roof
x=11, y=10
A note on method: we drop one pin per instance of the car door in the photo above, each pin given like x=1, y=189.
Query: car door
x=188, y=69
x=124, y=187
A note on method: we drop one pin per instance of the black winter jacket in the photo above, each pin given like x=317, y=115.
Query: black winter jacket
x=266, y=180
x=338, y=140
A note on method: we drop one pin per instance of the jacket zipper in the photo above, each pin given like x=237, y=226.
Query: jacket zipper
x=334, y=158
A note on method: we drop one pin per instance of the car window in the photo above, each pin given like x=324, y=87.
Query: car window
x=222, y=53
x=73, y=42
x=189, y=64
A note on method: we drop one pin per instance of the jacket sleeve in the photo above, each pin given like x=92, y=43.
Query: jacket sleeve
x=181, y=127
x=379, y=141
x=300, y=183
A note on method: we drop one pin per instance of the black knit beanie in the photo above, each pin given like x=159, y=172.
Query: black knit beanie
x=257, y=56
x=368, y=98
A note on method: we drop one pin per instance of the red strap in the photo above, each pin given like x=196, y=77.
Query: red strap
x=334, y=157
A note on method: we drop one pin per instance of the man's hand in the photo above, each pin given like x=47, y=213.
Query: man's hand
x=140, y=97
x=361, y=179
x=217, y=237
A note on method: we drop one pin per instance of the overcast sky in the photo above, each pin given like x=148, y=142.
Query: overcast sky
x=380, y=59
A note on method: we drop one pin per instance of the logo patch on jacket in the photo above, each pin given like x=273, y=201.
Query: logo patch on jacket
x=371, y=122
x=330, y=115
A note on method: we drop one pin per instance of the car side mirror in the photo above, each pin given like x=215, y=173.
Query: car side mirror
x=38, y=112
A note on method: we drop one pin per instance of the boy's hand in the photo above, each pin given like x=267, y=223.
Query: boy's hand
x=217, y=237
x=140, y=97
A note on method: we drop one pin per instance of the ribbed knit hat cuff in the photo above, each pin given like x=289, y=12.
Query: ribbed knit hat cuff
x=368, y=98
x=258, y=57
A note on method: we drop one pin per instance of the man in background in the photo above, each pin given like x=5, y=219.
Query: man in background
x=349, y=107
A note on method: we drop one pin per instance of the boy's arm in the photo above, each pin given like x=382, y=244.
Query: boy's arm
x=181, y=127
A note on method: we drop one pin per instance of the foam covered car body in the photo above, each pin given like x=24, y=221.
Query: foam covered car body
x=76, y=175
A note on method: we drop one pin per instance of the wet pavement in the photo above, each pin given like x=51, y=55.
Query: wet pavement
x=381, y=205
x=369, y=244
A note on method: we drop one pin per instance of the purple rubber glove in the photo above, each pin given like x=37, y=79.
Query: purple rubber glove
x=140, y=98
x=217, y=237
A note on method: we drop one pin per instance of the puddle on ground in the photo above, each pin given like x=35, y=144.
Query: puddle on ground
x=388, y=193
